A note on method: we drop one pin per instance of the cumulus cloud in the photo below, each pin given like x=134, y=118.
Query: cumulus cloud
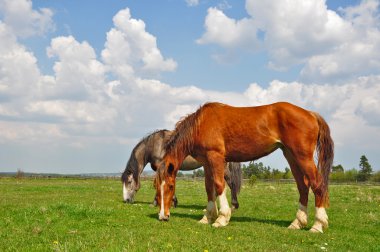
x=18, y=68
x=23, y=20
x=78, y=74
x=331, y=45
x=227, y=32
x=130, y=50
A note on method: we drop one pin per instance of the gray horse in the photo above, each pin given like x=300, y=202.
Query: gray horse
x=150, y=150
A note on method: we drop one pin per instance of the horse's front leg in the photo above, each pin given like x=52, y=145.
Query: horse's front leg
x=217, y=165
x=224, y=211
x=211, y=210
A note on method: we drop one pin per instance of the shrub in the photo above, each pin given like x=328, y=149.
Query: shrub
x=376, y=177
x=20, y=174
x=252, y=180
x=338, y=176
x=351, y=175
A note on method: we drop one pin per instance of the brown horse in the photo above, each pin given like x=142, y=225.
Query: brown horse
x=212, y=136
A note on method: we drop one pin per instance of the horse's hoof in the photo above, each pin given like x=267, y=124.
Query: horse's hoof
x=203, y=220
x=221, y=221
x=293, y=227
x=297, y=224
x=316, y=230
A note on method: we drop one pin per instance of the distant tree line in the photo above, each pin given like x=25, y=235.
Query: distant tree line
x=364, y=173
x=260, y=171
x=254, y=171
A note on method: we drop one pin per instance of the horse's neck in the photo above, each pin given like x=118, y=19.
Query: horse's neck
x=140, y=156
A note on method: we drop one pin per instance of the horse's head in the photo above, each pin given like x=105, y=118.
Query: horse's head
x=130, y=186
x=165, y=186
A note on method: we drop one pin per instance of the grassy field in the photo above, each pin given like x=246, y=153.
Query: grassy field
x=89, y=215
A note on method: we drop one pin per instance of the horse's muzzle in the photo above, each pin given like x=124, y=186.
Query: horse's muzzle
x=130, y=201
x=163, y=217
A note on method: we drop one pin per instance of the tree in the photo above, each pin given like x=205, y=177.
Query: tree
x=257, y=169
x=337, y=168
x=198, y=173
x=287, y=174
x=180, y=174
x=277, y=174
x=365, y=171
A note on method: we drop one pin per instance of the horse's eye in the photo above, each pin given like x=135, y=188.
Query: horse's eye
x=171, y=187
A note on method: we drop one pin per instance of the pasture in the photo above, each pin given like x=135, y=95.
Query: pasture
x=89, y=215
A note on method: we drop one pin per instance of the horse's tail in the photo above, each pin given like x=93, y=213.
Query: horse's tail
x=234, y=179
x=325, y=154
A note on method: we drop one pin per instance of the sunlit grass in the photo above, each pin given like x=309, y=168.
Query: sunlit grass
x=89, y=215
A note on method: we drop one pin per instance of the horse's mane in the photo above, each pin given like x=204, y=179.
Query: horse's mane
x=181, y=142
x=132, y=164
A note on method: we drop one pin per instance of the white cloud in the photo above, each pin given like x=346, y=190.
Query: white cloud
x=23, y=20
x=329, y=45
x=322, y=98
x=179, y=112
x=18, y=68
x=358, y=54
x=29, y=133
x=78, y=74
x=130, y=50
x=228, y=32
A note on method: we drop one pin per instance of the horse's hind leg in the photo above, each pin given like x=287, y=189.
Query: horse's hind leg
x=310, y=170
x=303, y=188
x=211, y=210
x=230, y=179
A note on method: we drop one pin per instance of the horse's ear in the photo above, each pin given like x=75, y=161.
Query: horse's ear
x=170, y=169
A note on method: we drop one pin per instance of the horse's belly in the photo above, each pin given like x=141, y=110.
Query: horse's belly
x=190, y=164
x=247, y=152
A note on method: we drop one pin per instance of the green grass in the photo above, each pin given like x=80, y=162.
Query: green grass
x=89, y=215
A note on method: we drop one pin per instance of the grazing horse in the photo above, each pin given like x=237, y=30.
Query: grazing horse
x=216, y=133
x=150, y=150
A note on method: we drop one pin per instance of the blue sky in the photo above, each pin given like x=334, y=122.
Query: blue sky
x=176, y=27
x=82, y=81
